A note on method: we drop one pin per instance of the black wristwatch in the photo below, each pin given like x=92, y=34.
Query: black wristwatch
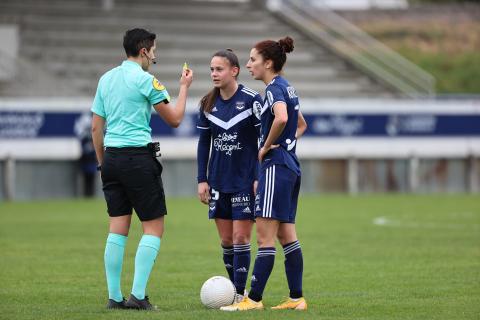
x=99, y=167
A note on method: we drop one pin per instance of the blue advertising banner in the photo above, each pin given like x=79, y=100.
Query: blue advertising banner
x=393, y=125
x=39, y=124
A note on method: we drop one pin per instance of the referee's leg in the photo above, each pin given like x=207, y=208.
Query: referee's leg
x=120, y=225
x=113, y=258
x=144, y=260
x=145, y=190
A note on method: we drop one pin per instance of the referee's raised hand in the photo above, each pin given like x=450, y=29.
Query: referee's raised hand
x=187, y=77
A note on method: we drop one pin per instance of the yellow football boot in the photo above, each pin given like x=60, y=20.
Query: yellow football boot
x=244, y=305
x=294, y=304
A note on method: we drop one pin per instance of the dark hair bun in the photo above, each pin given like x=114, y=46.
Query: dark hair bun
x=286, y=44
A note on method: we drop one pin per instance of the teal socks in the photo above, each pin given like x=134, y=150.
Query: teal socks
x=113, y=264
x=145, y=258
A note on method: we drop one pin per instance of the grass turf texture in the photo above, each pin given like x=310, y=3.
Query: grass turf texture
x=422, y=263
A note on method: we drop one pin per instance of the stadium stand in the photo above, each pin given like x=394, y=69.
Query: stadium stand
x=76, y=41
x=365, y=132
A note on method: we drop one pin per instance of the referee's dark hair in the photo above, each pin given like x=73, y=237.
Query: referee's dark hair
x=136, y=39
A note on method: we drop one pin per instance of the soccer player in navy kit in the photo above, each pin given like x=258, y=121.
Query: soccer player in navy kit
x=279, y=179
x=227, y=121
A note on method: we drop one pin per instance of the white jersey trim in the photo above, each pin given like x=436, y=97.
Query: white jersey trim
x=273, y=105
x=232, y=122
x=265, y=107
x=249, y=91
x=269, y=192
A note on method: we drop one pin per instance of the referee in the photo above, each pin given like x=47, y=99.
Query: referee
x=130, y=172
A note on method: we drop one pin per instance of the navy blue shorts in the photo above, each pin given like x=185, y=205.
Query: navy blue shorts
x=277, y=193
x=231, y=206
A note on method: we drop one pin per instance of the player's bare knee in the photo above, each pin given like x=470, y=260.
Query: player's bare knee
x=241, y=237
x=263, y=242
x=227, y=241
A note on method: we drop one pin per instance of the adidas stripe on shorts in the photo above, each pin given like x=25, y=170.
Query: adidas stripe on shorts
x=231, y=206
x=277, y=193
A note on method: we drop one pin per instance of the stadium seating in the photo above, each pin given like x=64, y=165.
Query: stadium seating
x=78, y=40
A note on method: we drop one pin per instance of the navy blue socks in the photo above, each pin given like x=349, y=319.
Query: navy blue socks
x=294, y=268
x=261, y=272
x=228, y=261
x=241, y=265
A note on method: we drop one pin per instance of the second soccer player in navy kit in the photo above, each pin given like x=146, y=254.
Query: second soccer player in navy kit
x=227, y=174
x=282, y=124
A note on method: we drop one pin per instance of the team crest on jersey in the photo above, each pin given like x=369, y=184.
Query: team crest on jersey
x=292, y=93
x=157, y=85
x=257, y=110
x=270, y=97
x=239, y=105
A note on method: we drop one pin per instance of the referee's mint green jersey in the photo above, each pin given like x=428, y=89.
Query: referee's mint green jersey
x=124, y=97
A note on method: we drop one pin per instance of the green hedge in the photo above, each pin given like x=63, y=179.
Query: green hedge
x=454, y=73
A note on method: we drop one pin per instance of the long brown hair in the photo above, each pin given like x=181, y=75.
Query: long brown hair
x=207, y=102
x=275, y=51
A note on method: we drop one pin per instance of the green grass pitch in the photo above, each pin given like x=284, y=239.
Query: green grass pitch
x=366, y=257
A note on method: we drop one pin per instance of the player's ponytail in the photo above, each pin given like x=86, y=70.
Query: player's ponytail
x=286, y=44
x=275, y=51
x=207, y=102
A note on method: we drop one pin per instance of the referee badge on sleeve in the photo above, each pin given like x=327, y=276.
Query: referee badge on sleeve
x=157, y=85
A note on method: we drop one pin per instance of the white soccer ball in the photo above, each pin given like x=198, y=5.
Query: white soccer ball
x=217, y=292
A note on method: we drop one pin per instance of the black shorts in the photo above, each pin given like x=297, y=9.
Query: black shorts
x=132, y=178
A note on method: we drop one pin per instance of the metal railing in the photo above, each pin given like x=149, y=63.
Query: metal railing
x=355, y=46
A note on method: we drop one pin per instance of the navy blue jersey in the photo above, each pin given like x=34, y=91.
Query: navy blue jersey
x=279, y=90
x=234, y=130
